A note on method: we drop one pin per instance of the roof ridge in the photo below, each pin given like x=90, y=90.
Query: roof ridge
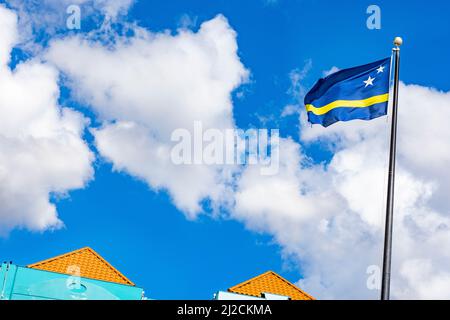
x=292, y=285
x=250, y=280
x=84, y=249
x=120, y=274
x=56, y=257
x=247, y=282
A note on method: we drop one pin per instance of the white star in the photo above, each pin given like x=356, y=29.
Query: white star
x=381, y=69
x=369, y=82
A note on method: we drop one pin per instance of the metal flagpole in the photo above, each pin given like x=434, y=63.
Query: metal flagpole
x=386, y=277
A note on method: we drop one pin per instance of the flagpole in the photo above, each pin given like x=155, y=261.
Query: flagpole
x=387, y=253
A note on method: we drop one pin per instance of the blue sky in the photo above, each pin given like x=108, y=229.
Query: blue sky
x=141, y=232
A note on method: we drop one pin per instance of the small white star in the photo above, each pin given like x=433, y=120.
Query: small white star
x=380, y=69
x=369, y=82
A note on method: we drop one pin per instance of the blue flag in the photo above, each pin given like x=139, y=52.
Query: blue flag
x=356, y=93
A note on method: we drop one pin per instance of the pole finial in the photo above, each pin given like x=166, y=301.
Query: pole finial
x=398, y=41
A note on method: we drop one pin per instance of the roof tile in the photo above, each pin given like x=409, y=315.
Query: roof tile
x=270, y=282
x=87, y=262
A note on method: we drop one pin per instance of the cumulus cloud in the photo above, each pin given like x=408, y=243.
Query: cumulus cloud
x=297, y=89
x=41, y=18
x=327, y=216
x=41, y=149
x=311, y=220
x=149, y=85
x=330, y=217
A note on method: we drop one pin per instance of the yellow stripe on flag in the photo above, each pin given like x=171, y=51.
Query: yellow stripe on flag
x=348, y=104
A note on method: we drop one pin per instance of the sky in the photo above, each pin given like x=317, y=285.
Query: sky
x=86, y=117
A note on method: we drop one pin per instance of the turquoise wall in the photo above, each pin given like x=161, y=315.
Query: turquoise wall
x=21, y=283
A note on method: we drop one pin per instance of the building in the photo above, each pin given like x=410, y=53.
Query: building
x=84, y=275
x=267, y=286
x=78, y=275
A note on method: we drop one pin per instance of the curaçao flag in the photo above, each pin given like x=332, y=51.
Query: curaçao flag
x=356, y=93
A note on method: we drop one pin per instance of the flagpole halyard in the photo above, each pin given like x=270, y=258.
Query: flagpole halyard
x=387, y=252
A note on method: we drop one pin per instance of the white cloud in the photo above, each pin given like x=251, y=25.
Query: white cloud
x=331, y=217
x=8, y=35
x=428, y=283
x=41, y=149
x=187, y=21
x=333, y=69
x=311, y=220
x=49, y=16
x=132, y=148
x=149, y=85
x=297, y=90
x=289, y=110
x=111, y=8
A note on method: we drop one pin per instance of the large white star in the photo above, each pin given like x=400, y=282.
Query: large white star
x=380, y=69
x=369, y=82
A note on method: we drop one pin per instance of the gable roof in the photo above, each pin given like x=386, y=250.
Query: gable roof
x=90, y=263
x=270, y=282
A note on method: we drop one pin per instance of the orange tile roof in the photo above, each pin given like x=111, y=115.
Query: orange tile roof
x=270, y=282
x=85, y=260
